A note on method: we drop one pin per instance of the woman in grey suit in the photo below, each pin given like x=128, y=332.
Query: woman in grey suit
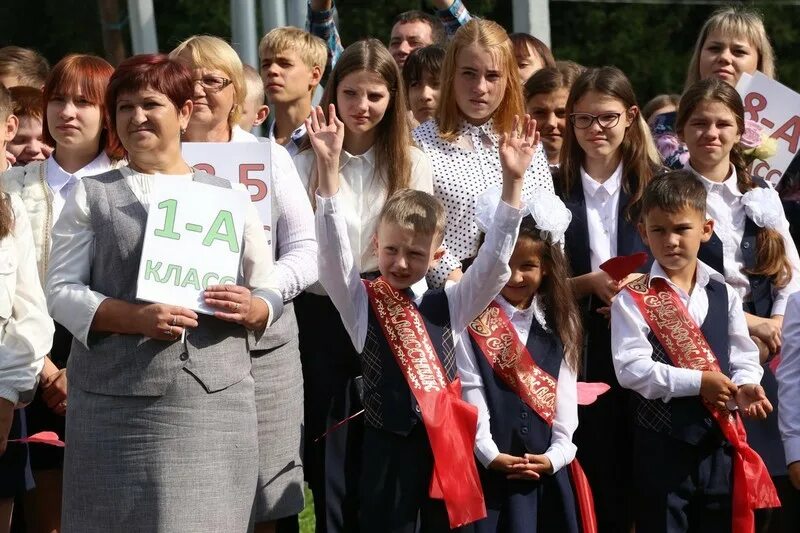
x=161, y=418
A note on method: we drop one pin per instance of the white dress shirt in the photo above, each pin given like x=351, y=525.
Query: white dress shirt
x=361, y=196
x=632, y=352
x=61, y=182
x=724, y=206
x=74, y=303
x=26, y=331
x=238, y=135
x=462, y=171
x=466, y=299
x=561, y=451
x=602, y=209
x=788, y=375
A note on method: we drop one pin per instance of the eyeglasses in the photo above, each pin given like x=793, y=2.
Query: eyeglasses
x=213, y=84
x=585, y=120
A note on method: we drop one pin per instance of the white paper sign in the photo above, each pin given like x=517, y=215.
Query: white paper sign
x=777, y=108
x=247, y=163
x=193, y=239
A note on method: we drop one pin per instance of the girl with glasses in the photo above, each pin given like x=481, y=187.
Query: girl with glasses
x=607, y=158
x=753, y=248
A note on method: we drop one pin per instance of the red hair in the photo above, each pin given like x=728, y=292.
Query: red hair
x=154, y=71
x=89, y=75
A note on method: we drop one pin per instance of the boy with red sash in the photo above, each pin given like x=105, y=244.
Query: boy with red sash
x=680, y=341
x=418, y=471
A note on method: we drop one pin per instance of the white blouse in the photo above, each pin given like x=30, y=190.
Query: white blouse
x=602, y=212
x=561, y=450
x=462, y=170
x=62, y=182
x=724, y=206
x=362, y=193
x=71, y=300
x=26, y=331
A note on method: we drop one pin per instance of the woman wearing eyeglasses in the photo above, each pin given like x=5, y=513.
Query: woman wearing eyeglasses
x=606, y=160
x=219, y=92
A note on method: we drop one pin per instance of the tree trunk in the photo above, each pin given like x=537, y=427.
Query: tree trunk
x=111, y=24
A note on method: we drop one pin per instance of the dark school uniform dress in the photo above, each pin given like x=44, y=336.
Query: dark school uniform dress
x=604, y=430
x=524, y=506
x=682, y=462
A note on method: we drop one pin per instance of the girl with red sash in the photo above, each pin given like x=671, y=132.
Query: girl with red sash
x=680, y=342
x=752, y=248
x=519, y=368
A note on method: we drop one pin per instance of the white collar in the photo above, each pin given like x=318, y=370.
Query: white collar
x=295, y=136
x=730, y=182
x=58, y=178
x=368, y=156
x=703, y=275
x=419, y=289
x=238, y=135
x=611, y=185
x=535, y=310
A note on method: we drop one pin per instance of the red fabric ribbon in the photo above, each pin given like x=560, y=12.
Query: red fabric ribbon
x=619, y=267
x=687, y=347
x=43, y=437
x=450, y=422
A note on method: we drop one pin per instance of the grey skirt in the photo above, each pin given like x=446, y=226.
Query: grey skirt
x=184, y=461
x=279, y=403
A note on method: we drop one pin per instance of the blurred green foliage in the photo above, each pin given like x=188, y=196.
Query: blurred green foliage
x=651, y=43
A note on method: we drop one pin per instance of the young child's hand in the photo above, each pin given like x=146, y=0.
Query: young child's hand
x=326, y=136
x=535, y=466
x=768, y=330
x=506, y=463
x=603, y=286
x=716, y=388
x=517, y=148
x=752, y=401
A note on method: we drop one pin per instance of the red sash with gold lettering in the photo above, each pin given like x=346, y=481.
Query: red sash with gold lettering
x=451, y=423
x=497, y=339
x=684, y=342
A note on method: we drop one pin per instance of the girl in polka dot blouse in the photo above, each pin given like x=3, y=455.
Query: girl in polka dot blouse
x=481, y=92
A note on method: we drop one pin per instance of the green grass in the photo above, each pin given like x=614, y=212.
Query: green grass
x=307, y=520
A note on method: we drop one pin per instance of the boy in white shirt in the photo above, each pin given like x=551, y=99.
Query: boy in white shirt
x=680, y=341
x=407, y=336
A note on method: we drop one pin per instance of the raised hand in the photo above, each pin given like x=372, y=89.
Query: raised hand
x=326, y=136
x=517, y=147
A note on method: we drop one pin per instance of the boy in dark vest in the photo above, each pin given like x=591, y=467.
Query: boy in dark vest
x=680, y=341
x=418, y=470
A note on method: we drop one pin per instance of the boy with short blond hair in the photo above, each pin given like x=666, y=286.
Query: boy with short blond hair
x=292, y=64
x=8, y=126
x=679, y=340
x=254, y=111
x=22, y=66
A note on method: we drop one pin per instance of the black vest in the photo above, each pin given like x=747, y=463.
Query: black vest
x=577, y=237
x=760, y=286
x=687, y=419
x=516, y=428
x=389, y=403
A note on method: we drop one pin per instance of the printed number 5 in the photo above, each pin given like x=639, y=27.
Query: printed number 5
x=261, y=187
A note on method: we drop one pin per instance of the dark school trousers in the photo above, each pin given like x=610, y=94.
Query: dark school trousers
x=681, y=487
x=395, y=479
